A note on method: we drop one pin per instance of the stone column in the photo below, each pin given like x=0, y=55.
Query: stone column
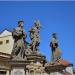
x=7, y=73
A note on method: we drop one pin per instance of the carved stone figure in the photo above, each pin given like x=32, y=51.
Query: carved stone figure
x=34, y=36
x=19, y=37
x=56, y=53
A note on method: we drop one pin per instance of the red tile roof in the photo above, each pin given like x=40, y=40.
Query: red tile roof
x=64, y=62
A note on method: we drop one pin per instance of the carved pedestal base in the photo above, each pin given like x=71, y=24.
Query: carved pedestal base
x=17, y=71
x=18, y=67
x=59, y=69
x=36, y=58
x=54, y=68
x=35, y=68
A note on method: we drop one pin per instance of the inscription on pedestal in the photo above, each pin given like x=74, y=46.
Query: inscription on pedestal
x=18, y=72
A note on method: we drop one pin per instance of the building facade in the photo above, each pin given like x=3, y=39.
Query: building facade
x=6, y=42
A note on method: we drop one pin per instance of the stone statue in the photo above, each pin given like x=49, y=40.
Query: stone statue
x=56, y=54
x=34, y=36
x=19, y=37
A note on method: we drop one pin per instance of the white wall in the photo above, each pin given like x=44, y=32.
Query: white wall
x=6, y=48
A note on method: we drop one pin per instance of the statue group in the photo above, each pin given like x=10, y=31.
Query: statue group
x=22, y=48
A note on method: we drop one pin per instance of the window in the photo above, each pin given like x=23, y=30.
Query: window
x=1, y=42
x=7, y=41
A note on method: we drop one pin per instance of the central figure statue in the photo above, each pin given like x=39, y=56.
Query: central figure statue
x=35, y=37
x=19, y=37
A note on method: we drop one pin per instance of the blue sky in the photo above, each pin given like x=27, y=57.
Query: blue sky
x=54, y=16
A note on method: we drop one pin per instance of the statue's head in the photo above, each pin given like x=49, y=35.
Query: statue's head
x=20, y=23
x=54, y=34
x=37, y=24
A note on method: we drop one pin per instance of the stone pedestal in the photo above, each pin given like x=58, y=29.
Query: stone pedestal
x=17, y=71
x=35, y=68
x=54, y=68
x=36, y=58
x=58, y=69
x=18, y=67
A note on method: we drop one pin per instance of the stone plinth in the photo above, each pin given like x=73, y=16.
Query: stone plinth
x=35, y=68
x=35, y=58
x=57, y=68
x=18, y=67
x=54, y=68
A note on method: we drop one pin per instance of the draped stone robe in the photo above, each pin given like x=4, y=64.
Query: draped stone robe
x=35, y=38
x=19, y=36
x=56, y=53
